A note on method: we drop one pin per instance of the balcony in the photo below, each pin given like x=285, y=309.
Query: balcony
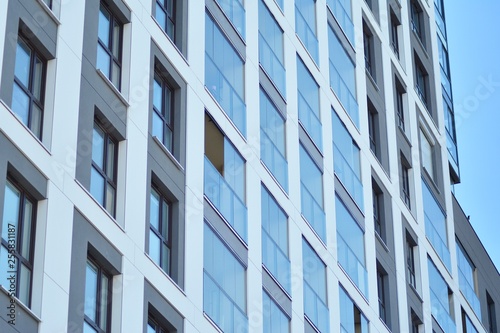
x=446, y=83
x=343, y=18
x=348, y=177
x=437, y=242
x=440, y=23
x=221, y=309
x=225, y=200
x=441, y=314
x=306, y=35
x=352, y=265
x=469, y=293
x=272, y=65
x=276, y=261
x=313, y=212
x=235, y=11
x=344, y=94
x=310, y=121
x=225, y=94
x=315, y=309
x=274, y=160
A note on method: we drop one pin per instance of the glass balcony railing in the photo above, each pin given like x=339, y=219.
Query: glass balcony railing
x=315, y=309
x=348, y=177
x=452, y=147
x=235, y=11
x=223, y=311
x=437, y=242
x=446, y=83
x=276, y=261
x=344, y=94
x=306, y=35
x=342, y=16
x=441, y=314
x=272, y=65
x=224, y=93
x=440, y=23
x=313, y=212
x=274, y=160
x=310, y=121
x=352, y=265
x=223, y=197
x=469, y=293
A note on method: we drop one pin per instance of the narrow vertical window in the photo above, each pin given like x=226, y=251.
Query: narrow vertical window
x=18, y=228
x=165, y=16
x=103, y=171
x=394, y=34
x=160, y=232
x=163, y=102
x=97, y=306
x=405, y=184
x=410, y=262
x=383, y=299
x=400, y=109
x=109, y=45
x=28, y=93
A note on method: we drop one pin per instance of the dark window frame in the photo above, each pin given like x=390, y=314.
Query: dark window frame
x=108, y=138
x=159, y=233
x=169, y=17
x=378, y=210
x=417, y=21
x=152, y=322
x=400, y=113
x=405, y=184
x=117, y=59
x=421, y=83
x=168, y=106
x=368, y=44
x=410, y=262
x=382, y=295
x=492, y=321
x=100, y=272
x=394, y=33
x=19, y=258
x=35, y=55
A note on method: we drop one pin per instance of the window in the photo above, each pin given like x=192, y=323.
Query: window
x=427, y=154
x=103, y=171
x=97, y=308
x=400, y=115
x=48, y=3
x=351, y=317
x=492, y=317
x=415, y=323
x=275, y=240
x=163, y=105
x=467, y=278
x=369, y=51
x=274, y=320
x=154, y=326
x=305, y=26
x=235, y=11
x=311, y=194
x=394, y=38
x=165, y=15
x=224, y=179
x=342, y=76
x=346, y=160
x=308, y=104
x=373, y=129
x=18, y=238
x=378, y=210
x=441, y=299
x=421, y=82
x=224, y=286
x=405, y=184
x=467, y=327
x=342, y=11
x=383, y=297
x=224, y=74
x=417, y=22
x=271, y=54
x=28, y=93
x=160, y=232
x=315, y=294
x=411, y=247
x=272, y=140
x=109, y=45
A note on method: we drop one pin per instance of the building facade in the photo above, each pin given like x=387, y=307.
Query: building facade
x=235, y=166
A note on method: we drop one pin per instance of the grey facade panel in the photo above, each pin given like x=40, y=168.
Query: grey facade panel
x=21, y=320
x=272, y=92
x=162, y=311
x=276, y=292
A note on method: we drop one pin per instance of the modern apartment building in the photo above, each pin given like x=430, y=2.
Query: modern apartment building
x=233, y=166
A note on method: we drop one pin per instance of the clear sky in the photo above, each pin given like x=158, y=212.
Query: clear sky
x=474, y=49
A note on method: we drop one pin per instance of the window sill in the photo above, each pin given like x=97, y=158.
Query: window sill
x=21, y=304
x=314, y=231
x=230, y=22
x=382, y=242
x=311, y=139
x=49, y=12
x=405, y=136
x=353, y=284
x=415, y=291
x=350, y=195
x=100, y=206
x=372, y=79
x=277, y=282
x=309, y=54
x=214, y=325
x=168, y=153
x=274, y=178
x=345, y=110
x=170, y=40
x=113, y=88
x=281, y=94
x=165, y=273
x=26, y=127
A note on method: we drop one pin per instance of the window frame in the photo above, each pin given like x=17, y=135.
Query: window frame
x=382, y=295
x=166, y=88
x=394, y=33
x=417, y=21
x=421, y=83
x=108, y=138
x=100, y=272
x=368, y=48
x=410, y=262
x=20, y=260
x=405, y=184
x=158, y=328
x=400, y=113
x=113, y=59
x=378, y=211
x=158, y=233
x=34, y=55
x=160, y=4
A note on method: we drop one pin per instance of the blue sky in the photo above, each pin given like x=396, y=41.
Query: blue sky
x=474, y=48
